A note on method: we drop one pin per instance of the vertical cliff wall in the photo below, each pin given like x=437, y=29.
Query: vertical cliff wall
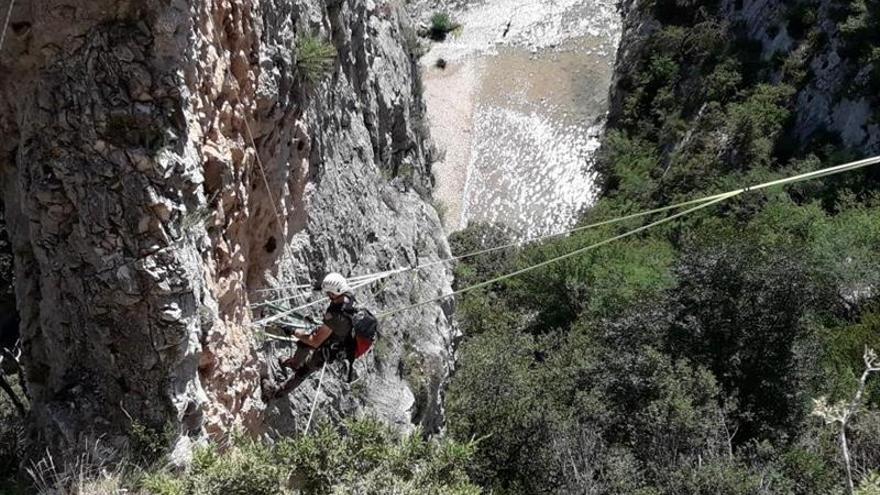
x=141, y=221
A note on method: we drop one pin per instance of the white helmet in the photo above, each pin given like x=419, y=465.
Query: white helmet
x=335, y=283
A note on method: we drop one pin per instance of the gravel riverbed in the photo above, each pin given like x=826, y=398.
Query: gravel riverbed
x=518, y=109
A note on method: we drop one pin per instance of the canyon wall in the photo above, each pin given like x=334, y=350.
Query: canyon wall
x=164, y=161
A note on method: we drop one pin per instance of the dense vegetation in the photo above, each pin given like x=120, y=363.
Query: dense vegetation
x=686, y=361
x=364, y=457
x=360, y=456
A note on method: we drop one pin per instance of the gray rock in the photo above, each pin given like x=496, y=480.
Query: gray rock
x=825, y=104
x=142, y=224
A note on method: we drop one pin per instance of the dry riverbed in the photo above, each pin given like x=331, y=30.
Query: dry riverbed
x=518, y=110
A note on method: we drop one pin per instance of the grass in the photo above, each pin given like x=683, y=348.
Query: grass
x=91, y=468
x=315, y=57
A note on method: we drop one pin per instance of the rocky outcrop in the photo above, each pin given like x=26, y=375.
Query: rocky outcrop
x=165, y=160
x=835, y=100
x=828, y=103
x=637, y=27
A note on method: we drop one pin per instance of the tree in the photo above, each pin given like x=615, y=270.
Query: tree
x=842, y=412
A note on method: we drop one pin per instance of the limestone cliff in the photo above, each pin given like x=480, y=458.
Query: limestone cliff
x=837, y=97
x=165, y=160
x=803, y=43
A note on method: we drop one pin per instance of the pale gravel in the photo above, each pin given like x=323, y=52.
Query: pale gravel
x=517, y=119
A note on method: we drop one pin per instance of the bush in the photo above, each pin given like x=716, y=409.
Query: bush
x=147, y=445
x=495, y=396
x=372, y=459
x=717, y=477
x=755, y=124
x=441, y=25
x=801, y=16
x=870, y=485
x=163, y=484
x=361, y=456
x=245, y=469
x=723, y=83
x=315, y=57
x=477, y=237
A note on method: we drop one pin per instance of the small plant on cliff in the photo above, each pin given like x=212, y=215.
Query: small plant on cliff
x=441, y=25
x=148, y=444
x=315, y=57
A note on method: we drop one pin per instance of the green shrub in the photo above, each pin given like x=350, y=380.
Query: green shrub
x=723, y=83
x=631, y=164
x=315, y=57
x=366, y=457
x=477, y=237
x=810, y=471
x=718, y=477
x=870, y=485
x=162, y=483
x=245, y=469
x=755, y=124
x=147, y=445
x=361, y=456
x=801, y=16
x=441, y=25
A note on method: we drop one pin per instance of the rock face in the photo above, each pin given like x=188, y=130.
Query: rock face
x=165, y=160
x=832, y=102
x=827, y=103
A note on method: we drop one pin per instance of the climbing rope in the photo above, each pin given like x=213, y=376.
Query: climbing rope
x=358, y=278
x=380, y=275
x=315, y=399
x=559, y=258
x=355, y=281
x=298, y=309
x=250, y=134
x=708, y=201
x=700, y=203
x=6, y=23
x=363, y=280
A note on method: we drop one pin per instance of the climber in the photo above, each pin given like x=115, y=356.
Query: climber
x=325, y=342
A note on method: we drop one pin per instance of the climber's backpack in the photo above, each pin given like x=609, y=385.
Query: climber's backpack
x=365, y=328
